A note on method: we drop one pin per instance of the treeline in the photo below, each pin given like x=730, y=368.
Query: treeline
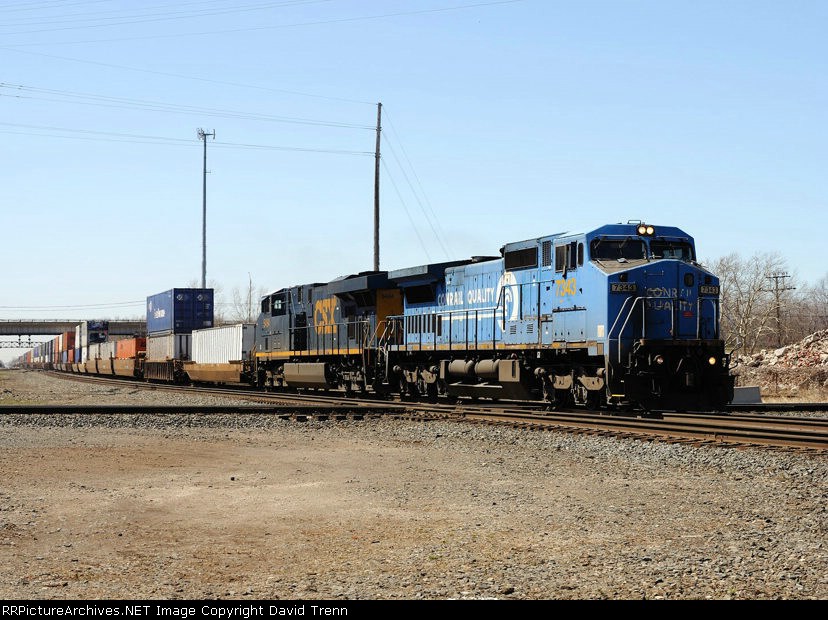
x=764, y=305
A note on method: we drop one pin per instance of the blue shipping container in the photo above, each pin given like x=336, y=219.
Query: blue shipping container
x=180, y=311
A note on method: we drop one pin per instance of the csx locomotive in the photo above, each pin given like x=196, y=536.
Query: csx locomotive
x=622, y=316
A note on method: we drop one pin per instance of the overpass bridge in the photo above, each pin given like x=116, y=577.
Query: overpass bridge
x=24, y=330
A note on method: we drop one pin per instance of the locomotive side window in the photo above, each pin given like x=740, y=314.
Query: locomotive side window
x=420, y=294
x=560, y=257
x=567, y=256
x=521, y=259
x=277, y=305
x=265, y=305
x=671, y=249
x=614, y=249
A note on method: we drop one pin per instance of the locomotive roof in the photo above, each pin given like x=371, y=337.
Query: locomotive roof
x=630, y=229
x=424, y=274
x=608, y=229
x=364, y=281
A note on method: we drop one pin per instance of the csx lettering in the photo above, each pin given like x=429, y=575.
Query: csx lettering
x=324, y=313
x=565, y=287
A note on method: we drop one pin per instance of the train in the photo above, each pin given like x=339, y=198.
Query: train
x=622, y=317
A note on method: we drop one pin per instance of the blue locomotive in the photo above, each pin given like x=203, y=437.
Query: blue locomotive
x=621, y=316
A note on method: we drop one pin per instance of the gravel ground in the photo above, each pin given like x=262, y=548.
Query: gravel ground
x=250, y=507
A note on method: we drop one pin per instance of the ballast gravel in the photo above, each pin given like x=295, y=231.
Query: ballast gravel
x=251, y=507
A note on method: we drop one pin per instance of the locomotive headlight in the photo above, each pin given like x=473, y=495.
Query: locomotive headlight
x=642, y=229
x=650, y=230
x=712, y=361
x=659, y=359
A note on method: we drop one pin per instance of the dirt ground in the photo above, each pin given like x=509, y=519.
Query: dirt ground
x=151, y=508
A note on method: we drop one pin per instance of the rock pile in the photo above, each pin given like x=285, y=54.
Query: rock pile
x=812, y=351
x=799, y=370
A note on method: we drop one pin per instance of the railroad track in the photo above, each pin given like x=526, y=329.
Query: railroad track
x=696, y=429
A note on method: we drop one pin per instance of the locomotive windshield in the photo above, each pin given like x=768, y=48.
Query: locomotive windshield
x=614, y=249
x=680, y=250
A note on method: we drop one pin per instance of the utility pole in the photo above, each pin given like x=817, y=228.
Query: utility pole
x=376, y=190
x=202, y=135
x=777, y=291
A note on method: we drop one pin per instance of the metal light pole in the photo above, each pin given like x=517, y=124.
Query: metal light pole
x=376, y=191
x=202, y=135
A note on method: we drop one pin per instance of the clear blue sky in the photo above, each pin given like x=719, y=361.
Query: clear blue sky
x=508, y=119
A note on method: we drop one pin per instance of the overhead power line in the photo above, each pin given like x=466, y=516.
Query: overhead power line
x=321, y=22
x=416, y=176
x=118, y=304
x=181, y=76
x=139, y=18
x=13, y=90
x=407, y=212
x=426, y=216
x=46, y=5
x=104, y=136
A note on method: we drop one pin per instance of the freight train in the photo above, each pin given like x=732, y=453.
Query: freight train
x=620, y=317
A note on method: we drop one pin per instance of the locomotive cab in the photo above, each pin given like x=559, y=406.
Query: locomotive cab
x=663, y=344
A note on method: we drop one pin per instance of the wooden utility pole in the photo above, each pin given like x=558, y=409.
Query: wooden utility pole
x=777, y=293
x=376, y=190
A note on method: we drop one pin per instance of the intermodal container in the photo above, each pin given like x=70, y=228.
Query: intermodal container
x=228, y=343
x=107, y=350
x=130, y=348
x=68, y=341
x=180, y=311
x=93, y=332
x=168, y=347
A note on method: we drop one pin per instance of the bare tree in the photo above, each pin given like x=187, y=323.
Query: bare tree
x=812, y=309
x=245, y=304
x=748, y=304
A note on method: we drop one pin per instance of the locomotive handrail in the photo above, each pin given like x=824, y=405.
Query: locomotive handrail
x=334, y=331
x=474, y=314
x=672, y=299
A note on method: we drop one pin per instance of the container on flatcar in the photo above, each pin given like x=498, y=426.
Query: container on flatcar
x=67, y=341
x=168, y=347
x=107, y=349
x=180, y=311
x=220, y=345
x=92, y=332
x=130, y=348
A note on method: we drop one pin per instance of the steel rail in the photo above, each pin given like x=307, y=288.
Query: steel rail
x=721, y=429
